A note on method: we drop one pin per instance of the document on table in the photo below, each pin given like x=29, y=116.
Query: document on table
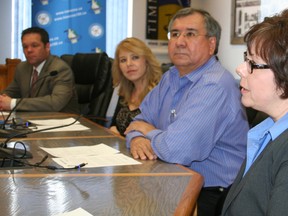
x=76, y=151
x=54, y=122
x=99, y=155
x=45, y=124
x=76, y=212
x=96, y=161
x=4, y=116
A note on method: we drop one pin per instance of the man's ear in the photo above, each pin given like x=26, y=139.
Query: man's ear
x=212, y=45
x=47, y=47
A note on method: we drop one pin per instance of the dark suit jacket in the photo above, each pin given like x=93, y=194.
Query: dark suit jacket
x=54, y=94
x=264, y=188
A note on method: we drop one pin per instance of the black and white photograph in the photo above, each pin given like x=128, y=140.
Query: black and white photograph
x=246, y=14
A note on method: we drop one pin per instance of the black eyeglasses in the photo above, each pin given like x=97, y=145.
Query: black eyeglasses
x=251, y=64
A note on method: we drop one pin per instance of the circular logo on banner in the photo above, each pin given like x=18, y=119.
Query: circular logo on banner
x=96, y=30
x=43, y=18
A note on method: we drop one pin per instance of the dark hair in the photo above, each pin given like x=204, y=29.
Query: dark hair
x=36, y=30
x=213, y=28
x=270, y=39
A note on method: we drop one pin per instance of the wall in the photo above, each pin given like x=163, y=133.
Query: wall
x=6, y=26
x=230, y=55
x=138, y=29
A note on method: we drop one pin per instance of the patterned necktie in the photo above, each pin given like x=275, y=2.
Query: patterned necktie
x=33, y=82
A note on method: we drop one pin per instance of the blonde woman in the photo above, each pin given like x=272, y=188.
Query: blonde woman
x=136, y=71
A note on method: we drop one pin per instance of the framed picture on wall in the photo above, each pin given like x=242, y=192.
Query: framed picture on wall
x=245, y=13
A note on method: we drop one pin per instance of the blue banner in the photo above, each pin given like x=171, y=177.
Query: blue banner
x=73, y=25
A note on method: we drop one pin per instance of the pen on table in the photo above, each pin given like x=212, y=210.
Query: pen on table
x=80, y=165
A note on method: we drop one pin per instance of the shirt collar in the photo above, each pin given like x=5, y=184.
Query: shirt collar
x=39, y=67
x=268, y=125
x=194, y=75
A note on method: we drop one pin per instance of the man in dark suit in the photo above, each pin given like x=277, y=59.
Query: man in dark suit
x=48, y=91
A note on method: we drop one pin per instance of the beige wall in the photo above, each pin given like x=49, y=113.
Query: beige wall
x=230, y=55
x=138, y=28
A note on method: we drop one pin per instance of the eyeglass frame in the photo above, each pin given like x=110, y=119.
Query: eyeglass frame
x=251, y=64
x=194, y=35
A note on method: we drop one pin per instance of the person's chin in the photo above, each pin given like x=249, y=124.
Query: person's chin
x=181, y=61
x=246, y=101
x=34, y=63
x=30, y=61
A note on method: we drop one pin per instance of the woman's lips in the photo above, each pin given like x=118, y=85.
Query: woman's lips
x=243, y=90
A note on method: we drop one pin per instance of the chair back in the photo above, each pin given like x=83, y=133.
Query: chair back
x=255, y=117
x=93, y=79
x=7, y=72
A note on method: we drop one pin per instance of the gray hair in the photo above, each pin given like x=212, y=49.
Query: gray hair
x=212, y=26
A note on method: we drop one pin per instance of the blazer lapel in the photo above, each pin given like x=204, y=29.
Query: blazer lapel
x=25, y=85
x=44, y=72
x=241, y=180
x=45, y=68
x=236, y=188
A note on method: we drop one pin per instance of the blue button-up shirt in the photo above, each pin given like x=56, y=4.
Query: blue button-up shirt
x=260, y=135
x=200, y=122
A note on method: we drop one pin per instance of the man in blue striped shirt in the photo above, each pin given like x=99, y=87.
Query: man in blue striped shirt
x=194, y=116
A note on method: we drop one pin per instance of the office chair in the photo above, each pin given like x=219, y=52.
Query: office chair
x=254, y=116
x=93, y=80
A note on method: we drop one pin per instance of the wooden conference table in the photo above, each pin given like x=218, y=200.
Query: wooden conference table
x=152, y=188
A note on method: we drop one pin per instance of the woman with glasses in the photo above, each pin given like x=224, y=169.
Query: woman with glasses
x=261, y=187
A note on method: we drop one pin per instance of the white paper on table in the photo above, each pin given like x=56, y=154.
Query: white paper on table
x=74, y=127
x=54, y=122
x=96, y=161
x=76, y=212
x=99, y=149
x=47, y=124
x=4, y=115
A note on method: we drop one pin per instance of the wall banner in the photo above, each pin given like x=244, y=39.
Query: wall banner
x=158, y=15
x=73, y=25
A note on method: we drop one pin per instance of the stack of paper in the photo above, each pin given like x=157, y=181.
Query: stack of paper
x=50, y=123
x=99, y=155
x=76, y=212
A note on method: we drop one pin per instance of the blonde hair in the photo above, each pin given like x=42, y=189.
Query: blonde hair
x=153, y=70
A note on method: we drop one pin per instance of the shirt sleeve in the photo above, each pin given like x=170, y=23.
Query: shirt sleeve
x=147, y=114
x=199, y=124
